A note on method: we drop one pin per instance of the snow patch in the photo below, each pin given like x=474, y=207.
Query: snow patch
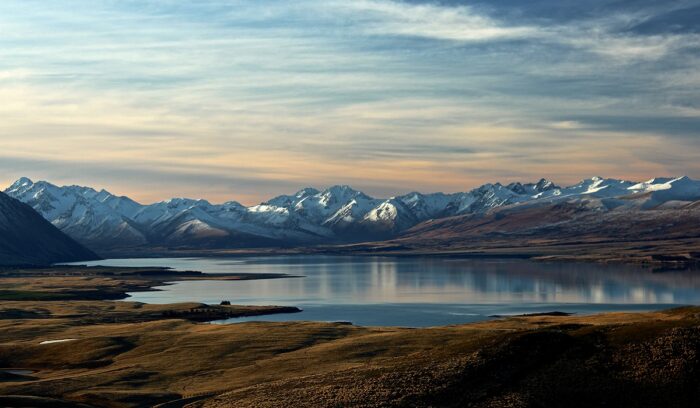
x=56, y=341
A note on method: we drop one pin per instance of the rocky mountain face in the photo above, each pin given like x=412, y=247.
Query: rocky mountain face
x=338, y=214
x=607, y=211
x=26, y=238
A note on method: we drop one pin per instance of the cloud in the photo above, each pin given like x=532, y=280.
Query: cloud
x=566, y=125
x=605, y=36
x=378, y=17
x=625, y=48
x=386, y=95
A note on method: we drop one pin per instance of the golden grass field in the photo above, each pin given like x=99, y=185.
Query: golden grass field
x=126, y=354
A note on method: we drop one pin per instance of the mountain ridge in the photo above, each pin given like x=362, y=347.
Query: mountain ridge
x=338, y=214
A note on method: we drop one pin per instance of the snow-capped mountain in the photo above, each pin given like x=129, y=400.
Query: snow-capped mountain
x=595, y=211
x=596, y=187
x=660, y=191
x=93, y=218
x=101, y=220
x=321, y=207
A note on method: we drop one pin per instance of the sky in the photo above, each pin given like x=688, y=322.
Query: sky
x=245, y=100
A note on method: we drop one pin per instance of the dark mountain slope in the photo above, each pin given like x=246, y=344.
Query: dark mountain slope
x=26, y=238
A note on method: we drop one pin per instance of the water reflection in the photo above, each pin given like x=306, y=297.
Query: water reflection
x=334, y=286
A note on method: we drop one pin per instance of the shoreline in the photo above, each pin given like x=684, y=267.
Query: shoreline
x=63, y=291
x=536, y=358
x=104, y=283
x=81, y=283
x=663, y=254
x=127, y=354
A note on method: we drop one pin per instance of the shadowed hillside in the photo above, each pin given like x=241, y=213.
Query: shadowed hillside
x=26, y=238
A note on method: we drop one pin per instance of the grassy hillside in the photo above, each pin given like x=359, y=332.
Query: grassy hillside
x=636, y=360
x=98, y=353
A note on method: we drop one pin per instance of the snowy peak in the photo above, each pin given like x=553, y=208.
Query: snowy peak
x=652, y=183
x=333, y=206
x=598, y=187
x=545, y=185
x=533, y=189
x=290, y=201
x=305, y=192
x=340, y=194
x=122, y=205
x=180, y=203
x=488, y=196
x=663, y=189
x=390, y=211
x=47, y=195
x=22, y=182
x=233, y=206
x=427, y=206
x=166, y=210
x=83, y=213
x=517, y=188
x=339, y=213
x=681, y=184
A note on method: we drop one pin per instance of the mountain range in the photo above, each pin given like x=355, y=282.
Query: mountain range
x=26, y=238
x=340, y=214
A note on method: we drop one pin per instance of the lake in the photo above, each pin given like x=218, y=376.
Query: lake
x=416, y=292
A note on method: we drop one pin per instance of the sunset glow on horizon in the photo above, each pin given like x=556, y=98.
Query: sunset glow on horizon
x=239, y=100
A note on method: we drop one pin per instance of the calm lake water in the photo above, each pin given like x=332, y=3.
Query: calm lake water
x=421, y=291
